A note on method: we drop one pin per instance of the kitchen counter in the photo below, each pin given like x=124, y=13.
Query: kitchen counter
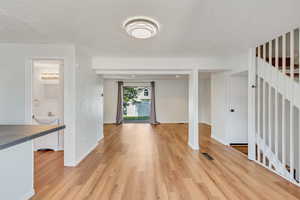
x=11, y=135
x=17, y=159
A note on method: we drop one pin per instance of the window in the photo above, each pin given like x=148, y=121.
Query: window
x=146, y=92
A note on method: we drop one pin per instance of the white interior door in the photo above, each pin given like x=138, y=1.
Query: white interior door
x=238, y=101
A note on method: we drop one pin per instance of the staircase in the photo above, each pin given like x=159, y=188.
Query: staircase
x=277, y=103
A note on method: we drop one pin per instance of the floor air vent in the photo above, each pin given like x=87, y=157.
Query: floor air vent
x=206, y=155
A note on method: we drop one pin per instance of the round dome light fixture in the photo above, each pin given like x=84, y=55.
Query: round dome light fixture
x=141, y=27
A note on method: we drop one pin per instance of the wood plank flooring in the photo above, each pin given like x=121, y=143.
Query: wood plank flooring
x=144, y=162
x=241, y=148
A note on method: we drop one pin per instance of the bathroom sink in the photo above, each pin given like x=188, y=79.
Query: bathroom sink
x=46, y=119
x=52, y=141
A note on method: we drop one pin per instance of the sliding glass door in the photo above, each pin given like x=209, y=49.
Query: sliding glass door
x=136, y=104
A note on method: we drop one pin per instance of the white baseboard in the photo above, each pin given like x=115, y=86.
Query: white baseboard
x=70, y=164
x=194, y=147
x=173, y=122
x=219, y=140
x=109, y=122
x=204, y=122
x=74, y=164
x=99, y=139
x=86, y=154
x=28, y=195
x=60, y=149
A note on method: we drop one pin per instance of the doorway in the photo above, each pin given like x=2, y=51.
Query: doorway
x=48, y=101
x=238, y=120
x=136, y=104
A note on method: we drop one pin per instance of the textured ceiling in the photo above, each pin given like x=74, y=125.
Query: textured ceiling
x=189, y=28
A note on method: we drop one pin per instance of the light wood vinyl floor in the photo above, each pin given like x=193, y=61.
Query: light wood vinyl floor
x=144, y=162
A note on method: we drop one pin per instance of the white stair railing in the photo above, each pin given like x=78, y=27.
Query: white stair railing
x=277, y=102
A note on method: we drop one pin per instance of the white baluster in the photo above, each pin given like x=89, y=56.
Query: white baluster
x=258, y=116
x=270, y=98
x=264, y=121
x=270, y=119
x=292, y=139
x=276, y=123
x=299, y=134
x=283, y=132
x=276, y=101
x=292, y=64
x=292, y=61
x=259, y=110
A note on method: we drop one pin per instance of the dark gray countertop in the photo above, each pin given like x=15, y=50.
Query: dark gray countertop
x=11, y=135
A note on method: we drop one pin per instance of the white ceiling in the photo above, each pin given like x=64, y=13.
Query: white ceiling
x=189, y=27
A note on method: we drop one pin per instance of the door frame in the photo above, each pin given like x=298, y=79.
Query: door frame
x=231, y=106
x=68, y=104
x=134, y=86
x=61, y=94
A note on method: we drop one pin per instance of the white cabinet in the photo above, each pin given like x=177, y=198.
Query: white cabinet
x=51, y=141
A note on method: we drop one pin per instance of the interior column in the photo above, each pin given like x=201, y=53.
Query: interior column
x=251, y=104
x=193, y=140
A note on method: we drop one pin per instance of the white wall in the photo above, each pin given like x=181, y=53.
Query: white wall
x=171, y=101
x=16, y=172
x=172, y=63
x=205, y=100
x=88, y=105
x=110, y=91
x=229, y=91
x=220, y=91
x=212, y=63
x=15, y=86
x=82, y=89
x=219, y=107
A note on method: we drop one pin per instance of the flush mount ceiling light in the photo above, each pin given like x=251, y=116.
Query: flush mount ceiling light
x=141, y=27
